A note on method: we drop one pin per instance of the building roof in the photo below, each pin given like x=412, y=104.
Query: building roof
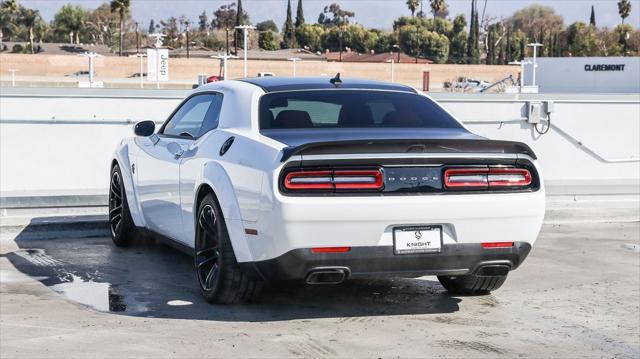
x=279, y=83
x=350, y=56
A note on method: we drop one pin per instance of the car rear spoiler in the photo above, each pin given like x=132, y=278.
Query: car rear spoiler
x=408, y=146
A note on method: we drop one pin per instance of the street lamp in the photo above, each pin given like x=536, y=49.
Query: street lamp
x=245, y=31
x=141, y=56
x=535, y=46
x=91, y=56
x=294, y=59
x=392, y=74
x=224, y=59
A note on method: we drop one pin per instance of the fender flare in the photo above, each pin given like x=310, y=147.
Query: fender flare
x=216, y=177
x=122, y=158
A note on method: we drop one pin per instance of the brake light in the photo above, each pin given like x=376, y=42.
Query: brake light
x=497, y=244
x=490, y=177
x=330, y=249
x=339, y=180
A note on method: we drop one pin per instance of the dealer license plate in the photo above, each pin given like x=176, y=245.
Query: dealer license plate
x=411, y=240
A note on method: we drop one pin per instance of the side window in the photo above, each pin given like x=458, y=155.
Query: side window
x=189, y=118
x=212, y=117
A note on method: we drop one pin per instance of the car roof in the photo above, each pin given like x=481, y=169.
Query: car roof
x=279, y=83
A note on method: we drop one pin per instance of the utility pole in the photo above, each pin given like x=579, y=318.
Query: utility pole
x=340, y=38
x=226, y=30
x=245, y=31
x=294, y=59
x=535, y=46
x=187, y=33
x=137, y=39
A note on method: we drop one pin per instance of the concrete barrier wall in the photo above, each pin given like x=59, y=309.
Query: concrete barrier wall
x=60, y=141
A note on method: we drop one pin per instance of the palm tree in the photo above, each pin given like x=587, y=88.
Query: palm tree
x=29, y=18
x=413, y=6
x=8, y=11
x=624, y=9
x=122, y=8
x=437, y=6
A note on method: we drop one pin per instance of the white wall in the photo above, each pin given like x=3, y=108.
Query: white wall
x=566, y=74
x=60, y=141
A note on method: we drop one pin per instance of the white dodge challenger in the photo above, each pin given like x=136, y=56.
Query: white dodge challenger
x=322, y=180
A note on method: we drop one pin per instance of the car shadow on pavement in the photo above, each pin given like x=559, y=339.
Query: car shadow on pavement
x=150, y=279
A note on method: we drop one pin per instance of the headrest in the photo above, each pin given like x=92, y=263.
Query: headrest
x=292, y=119
x=355, y=116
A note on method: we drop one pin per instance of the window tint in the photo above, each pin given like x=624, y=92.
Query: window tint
x=195, y=117
x=351, y=108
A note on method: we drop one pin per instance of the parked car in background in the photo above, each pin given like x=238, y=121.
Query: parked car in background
x=81, y=74
x=263, y=74
x=322, y=180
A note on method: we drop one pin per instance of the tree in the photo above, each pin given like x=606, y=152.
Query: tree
x=288, y=32
x=420, y=42
x=472, y=42
x=203, y=21
x=267, y=25
x=224, y=17
x=30, y=18
x=310, y=36
x=592, y=19
x=8, y=15
x=413, y=6
x=152, y=26
x=267, y=41
x=624, y=9
x=458, y=41
x=534, y=18
x=299, y=15
x=68, y=22
x=242, y=18
x=122, y=8
x=333, y=15
x=439, y=8
x=581, y=39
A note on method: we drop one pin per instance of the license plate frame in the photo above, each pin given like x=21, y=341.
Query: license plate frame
x=433, y=232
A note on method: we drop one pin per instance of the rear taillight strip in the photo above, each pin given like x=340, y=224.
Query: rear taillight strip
x=329, y=180
x=491, y=177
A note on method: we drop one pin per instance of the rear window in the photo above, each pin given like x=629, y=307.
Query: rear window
x=351, y=108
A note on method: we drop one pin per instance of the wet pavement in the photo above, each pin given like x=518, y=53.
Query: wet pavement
x=578, y=294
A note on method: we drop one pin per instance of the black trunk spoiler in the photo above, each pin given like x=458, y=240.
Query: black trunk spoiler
x=408, y=146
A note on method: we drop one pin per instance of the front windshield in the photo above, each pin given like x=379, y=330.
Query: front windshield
x=351, y=109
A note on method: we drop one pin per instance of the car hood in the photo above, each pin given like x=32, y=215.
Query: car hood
x=300, y=136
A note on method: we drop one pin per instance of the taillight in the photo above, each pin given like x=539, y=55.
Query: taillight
x=497, y=244
x=338, y=179
x=490, y=177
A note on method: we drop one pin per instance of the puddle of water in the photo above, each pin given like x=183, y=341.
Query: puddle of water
x=97, y=295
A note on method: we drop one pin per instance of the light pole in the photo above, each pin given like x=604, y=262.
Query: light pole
x=392, y=74
x=224, y=59
x=294, y=59
x=245, y=31
x=91, y=56
x=141, y=56
x=13, y=76
x=535, y=46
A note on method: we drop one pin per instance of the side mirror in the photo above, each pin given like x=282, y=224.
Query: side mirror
x=144, y=128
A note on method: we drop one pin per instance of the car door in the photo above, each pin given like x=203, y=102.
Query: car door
x=158, y=165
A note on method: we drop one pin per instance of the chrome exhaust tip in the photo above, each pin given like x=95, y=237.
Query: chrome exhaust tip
x=327, y=276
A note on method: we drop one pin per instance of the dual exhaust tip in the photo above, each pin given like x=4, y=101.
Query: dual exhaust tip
x=335, y=275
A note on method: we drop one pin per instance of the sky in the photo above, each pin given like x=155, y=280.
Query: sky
x=370, y=13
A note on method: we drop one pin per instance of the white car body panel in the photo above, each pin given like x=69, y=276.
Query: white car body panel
x=162, y=193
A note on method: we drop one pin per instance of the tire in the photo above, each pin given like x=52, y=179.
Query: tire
x=121, y=225
x=220, y=278
x=471, y=284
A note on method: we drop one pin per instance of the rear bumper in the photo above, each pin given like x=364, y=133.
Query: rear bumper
x=455, y=259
